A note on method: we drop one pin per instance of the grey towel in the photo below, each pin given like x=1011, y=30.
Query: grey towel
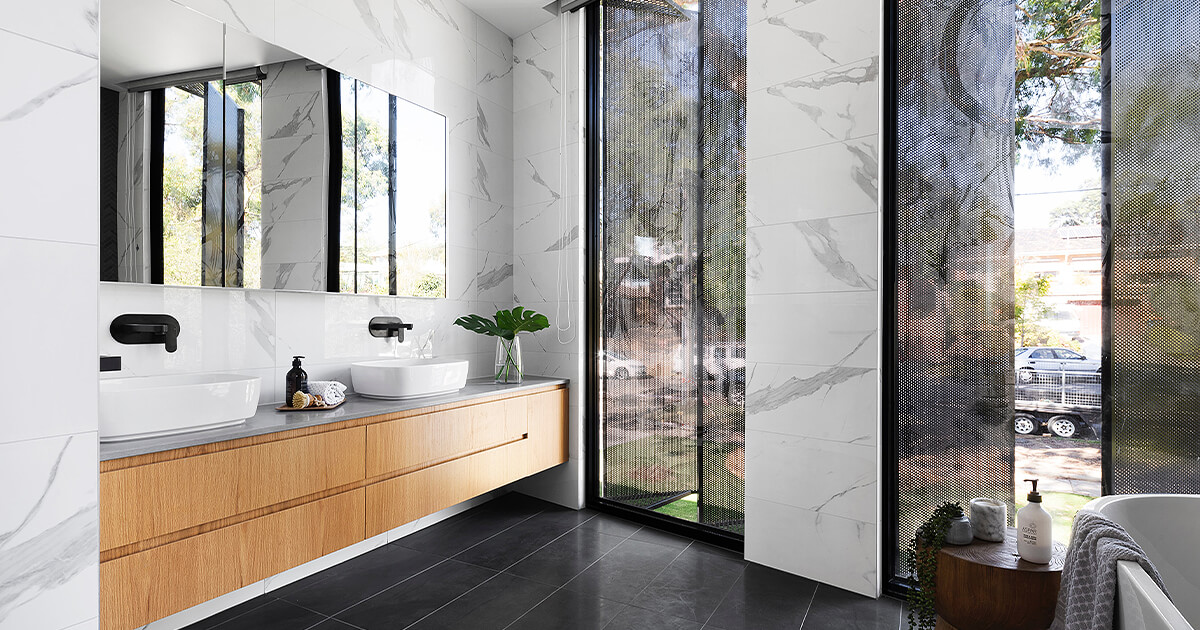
x=1089, y=577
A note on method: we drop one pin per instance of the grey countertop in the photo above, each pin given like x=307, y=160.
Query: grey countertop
x=270, y=420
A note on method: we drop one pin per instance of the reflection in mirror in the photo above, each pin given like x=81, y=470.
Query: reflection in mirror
x=219, y=167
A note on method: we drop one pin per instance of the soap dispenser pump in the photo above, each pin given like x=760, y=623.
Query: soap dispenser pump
x=297, y=379
x=1033, y=529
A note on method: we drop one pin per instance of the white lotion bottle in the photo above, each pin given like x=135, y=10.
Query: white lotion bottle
x=1033, y=530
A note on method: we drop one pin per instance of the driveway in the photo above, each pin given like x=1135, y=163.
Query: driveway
x=1062, y=464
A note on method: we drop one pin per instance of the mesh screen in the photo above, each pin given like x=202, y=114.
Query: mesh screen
x=954, y=258
x=1154, y=119
x=672, y=262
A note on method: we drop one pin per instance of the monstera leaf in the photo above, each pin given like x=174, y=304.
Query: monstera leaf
x=506, y=324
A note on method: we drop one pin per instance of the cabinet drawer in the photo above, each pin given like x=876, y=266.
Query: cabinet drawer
x=547, y=431
x=421, y=441
x=145, y=586
x=142, y=502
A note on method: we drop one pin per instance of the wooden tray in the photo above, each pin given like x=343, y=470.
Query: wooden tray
x=326, y=408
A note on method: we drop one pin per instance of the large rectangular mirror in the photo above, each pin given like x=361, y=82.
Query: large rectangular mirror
x=227, y=161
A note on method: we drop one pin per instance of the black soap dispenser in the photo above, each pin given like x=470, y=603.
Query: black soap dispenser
x=297, y=379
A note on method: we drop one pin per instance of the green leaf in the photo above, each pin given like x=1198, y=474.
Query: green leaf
x=508, y=323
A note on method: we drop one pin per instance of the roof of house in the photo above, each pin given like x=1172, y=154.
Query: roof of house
x=1077, y=238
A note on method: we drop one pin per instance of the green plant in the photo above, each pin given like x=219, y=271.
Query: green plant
x=922, y=565
x=507, y=324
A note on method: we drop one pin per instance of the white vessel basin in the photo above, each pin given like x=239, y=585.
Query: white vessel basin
x=151, y=406
x=397, y=379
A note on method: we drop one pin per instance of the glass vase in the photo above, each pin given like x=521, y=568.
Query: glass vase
x=509, y=366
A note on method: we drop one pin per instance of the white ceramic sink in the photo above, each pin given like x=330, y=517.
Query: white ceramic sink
x=396, y=379
x=151, y=406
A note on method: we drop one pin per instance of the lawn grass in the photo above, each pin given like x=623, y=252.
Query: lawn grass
x=1062, y=507
x=686, y=508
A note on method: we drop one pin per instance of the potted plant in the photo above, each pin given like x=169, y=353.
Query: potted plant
x=506, y=325
x=922, y=565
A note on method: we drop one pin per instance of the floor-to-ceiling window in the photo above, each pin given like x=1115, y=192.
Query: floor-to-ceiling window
x=668, y=267
x=1109, y=127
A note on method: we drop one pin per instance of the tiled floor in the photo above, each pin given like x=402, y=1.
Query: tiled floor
x=517, y=563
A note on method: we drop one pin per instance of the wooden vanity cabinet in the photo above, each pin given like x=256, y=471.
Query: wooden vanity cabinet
x=178, y=528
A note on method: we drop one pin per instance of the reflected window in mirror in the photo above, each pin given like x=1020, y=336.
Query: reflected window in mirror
x=391, y=224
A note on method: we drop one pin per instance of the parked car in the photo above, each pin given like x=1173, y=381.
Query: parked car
x=621, y=367
x=1051, y=360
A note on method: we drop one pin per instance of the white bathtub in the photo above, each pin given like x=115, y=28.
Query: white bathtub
x=1167, y=526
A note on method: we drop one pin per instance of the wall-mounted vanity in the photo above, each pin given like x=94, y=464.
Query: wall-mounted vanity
x=231, y=162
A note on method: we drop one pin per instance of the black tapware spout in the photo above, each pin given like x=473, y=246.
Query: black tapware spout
x=141, y=328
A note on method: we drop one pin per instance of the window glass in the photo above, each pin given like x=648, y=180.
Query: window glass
x=1042, y=354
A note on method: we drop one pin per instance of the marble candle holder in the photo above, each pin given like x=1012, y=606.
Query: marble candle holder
x=989, y=519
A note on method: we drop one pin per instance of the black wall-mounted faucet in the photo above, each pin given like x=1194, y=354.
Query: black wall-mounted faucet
x=388, y=327
x=133, y=328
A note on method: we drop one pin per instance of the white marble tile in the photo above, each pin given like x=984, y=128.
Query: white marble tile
x=828, y=181
x=489, y=279
x=367, y=20
x=538, y=78
x=539, y=128
x=838, y=254
x=545, y=275
x=90, y=624
x=329, y=327
x=494, y=77
x=818, y=475
x=294, y=242
x=834, y=106
x=493, y=38
x=291, y=77
x=480, y=173
x=814, y=329
x=70, y=24
x=479, y=224
x=40, y=118
x=293, y=158
x=220, y=329
x=814, y=37
x=290, y=115
x=838, y=403
x=256, y=17
x=493, y=127
x=49, y=532
x=826, y=548
x=49, y=357
x=298, y=199
x=294, y=276
x=548, y=226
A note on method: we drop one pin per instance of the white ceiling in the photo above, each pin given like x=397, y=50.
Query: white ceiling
x=514, y=17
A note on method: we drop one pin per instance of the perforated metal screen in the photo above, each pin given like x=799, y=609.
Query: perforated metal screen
x=1154, y=119
x=672, y=261
x=954, y=258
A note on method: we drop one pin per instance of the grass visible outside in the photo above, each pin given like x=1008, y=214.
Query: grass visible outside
x=1062, y=507
x=686, y=508
x=668, y=464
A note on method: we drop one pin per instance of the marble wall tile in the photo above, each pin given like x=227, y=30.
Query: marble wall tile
x=836, y=403
x=256, y=18
x=47, y=356
x=493, y=72
x=295, y=199
x=293, y=157
x=817, y=329
x=834, y=106
x=813, y=37
x=70, y=24
x=830, y=549
x=493, y=39
x=820, y=476
x=838, y=254
x=49, y=534
x=39, y=115
x=793, y=186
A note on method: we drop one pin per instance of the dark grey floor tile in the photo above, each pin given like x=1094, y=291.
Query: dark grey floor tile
x=735, y=556
x=659, y=537
x=623, y=572
x=490, y=606
x=570, y=609
x=563, y=559
x=611, y=525
x=230, y=613
x=764, y=598
x=350, y=582
x=465, y=530
x=633, y=618
x=409, y=601
x=333, y=624
x=274, y=615
x=511, y=545
x=692, y=586
x=834, y=608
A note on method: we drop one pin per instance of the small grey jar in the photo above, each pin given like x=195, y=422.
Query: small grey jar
x=959, y=532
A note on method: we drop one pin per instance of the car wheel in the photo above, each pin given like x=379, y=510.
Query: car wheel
x=1025, y=424
x=1025, y=375
x=1063, y=426
x=621, y=373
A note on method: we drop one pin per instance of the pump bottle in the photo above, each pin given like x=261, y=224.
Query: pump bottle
x=297, y=379
x=1033, y=529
